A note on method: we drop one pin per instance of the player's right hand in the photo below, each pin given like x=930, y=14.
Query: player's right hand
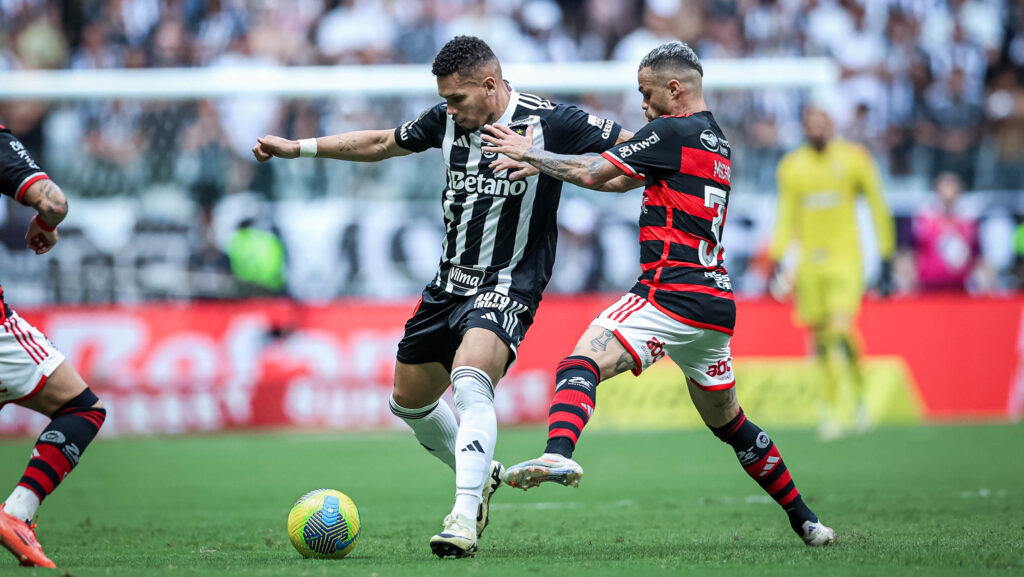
x=270, y=146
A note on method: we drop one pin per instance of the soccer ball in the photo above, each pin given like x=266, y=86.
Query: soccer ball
x=324, y=524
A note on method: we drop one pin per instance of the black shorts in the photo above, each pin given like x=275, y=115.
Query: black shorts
x=435, y=331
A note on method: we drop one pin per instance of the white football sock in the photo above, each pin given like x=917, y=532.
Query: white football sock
x=22, y=504
x=434, y=426
x=478, y=433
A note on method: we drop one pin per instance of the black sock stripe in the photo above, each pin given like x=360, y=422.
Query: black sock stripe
x=34, y=485
x=784, y=490
x=777, y=472
x=46, y=469
x=591, y=362
x=571, y=409
x=404, y=413
x=564, y=425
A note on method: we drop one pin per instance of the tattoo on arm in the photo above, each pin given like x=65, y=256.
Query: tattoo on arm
x=51, y=203
x=600, y=343
x=580, y=171
x=346, y=143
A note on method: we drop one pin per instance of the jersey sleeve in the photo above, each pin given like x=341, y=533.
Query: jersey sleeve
x=425, y=132
x=18, y=171
x=871, y=186
x=574, y=131
x=654, y=149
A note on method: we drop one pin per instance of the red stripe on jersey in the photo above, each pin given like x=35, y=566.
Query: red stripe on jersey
x=706, y=164
x=689, y=288
x=672, y=263
x=663, y=195
x=28, y=183
x=670, y=235
x=682, y=319
x=621, y=165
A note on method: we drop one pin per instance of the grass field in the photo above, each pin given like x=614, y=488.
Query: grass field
x=937, y=500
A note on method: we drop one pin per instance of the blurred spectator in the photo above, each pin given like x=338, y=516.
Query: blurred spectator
x=257, y=258
x=209, y=267
x=929, y=85
x=946, y=242
x=951, y=128
x=1018, y=256
x=656, y=29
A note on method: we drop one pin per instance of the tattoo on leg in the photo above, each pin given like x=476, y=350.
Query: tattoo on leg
x=601, y=343
x=726, y=400
x=624, y=363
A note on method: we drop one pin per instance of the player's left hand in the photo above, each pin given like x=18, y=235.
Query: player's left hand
x=517, y=170
x=39, y=239
x=504, y=140
x=885, y=279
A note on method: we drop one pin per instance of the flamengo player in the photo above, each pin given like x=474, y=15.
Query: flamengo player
x=498, y=250
x=682, y=304
x=33, y=373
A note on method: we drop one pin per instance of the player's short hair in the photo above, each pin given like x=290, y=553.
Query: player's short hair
x=672, y=55
x=462, y=55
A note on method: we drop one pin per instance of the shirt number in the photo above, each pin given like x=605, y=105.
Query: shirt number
x=714, y=198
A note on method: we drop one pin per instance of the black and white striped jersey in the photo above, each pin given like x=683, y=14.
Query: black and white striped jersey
x=500, y=235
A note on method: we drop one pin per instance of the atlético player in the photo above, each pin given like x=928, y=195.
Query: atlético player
x=33, y=373
x=682, y=304
x=497, y=254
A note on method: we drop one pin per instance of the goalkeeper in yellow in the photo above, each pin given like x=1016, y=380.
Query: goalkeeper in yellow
x=818, y=187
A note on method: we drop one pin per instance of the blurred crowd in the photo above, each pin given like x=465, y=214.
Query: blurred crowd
x=935, y=88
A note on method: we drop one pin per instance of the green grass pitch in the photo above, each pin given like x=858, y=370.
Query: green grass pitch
x=934, y=500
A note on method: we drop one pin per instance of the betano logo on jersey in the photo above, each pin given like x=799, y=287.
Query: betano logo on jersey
x=628, y=149
x=482, y=184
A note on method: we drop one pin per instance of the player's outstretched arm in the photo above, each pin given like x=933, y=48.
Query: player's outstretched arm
x=51, y=208
x=582, y=170
x=358, y=146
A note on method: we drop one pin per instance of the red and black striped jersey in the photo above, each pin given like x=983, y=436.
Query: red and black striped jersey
x=18, y=171
x=684, y=162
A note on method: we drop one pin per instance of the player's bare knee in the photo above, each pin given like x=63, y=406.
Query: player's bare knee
x=411, y=400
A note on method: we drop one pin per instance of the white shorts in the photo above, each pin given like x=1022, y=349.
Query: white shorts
x=649, y=334
x=27, y=359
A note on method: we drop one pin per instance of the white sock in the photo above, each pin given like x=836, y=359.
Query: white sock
x=434, y=426
x=22, y=504
x=478, y=433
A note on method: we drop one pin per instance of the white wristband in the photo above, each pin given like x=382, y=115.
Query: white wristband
x=307, y=148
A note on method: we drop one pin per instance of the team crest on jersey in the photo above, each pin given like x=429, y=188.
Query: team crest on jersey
x=710, y=140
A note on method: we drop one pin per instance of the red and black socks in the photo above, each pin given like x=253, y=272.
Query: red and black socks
x=761, y=460
x=573, y=404
x=56, y=452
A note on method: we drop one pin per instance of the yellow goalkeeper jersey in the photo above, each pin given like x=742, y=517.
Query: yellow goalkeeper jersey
x=817, y=204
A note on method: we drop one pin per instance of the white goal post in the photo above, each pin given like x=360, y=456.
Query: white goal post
x=817, y=74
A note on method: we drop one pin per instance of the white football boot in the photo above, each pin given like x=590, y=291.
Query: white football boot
x=549, y=467
x=490, y=486
x=816, y=534
x=457, y=539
